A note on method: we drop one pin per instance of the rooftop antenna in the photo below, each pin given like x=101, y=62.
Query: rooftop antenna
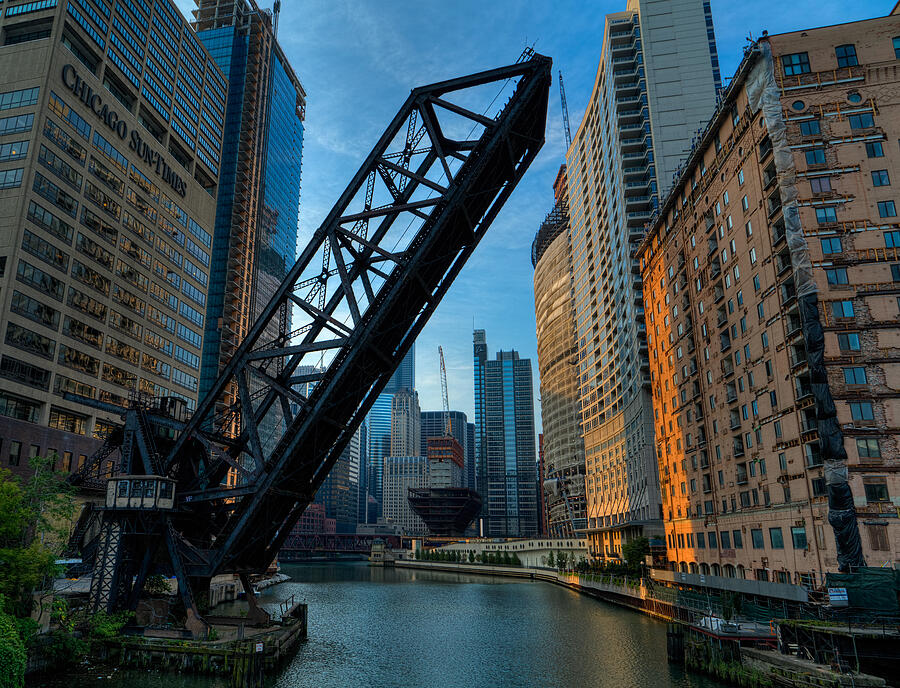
x=277, y=11
x=565, y=111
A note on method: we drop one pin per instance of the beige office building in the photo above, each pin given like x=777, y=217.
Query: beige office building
x=782, y=228
x=111, y=119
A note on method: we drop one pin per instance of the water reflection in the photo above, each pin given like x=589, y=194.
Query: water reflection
x=395, y=627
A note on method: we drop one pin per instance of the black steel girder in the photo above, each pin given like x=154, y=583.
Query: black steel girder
x=361, y=292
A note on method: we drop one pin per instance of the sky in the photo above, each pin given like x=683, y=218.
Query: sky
x=358, y=60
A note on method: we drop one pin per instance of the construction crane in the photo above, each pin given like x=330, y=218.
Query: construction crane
x=565, y=111
x=444, y=396
x=361, y=291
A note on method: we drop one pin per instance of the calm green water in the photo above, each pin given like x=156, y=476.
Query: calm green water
x=395, y=627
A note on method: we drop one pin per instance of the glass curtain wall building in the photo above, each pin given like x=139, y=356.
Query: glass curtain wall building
x=504, y=386
x=259, y=194
x=658, y=77
x=111, y=116
x=561, y=478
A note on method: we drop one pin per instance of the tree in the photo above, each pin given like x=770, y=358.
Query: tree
x=635, y=550
x=471, y=557
x=515, y=560
x=34, y=519
x=551, y=562
x=562, y=560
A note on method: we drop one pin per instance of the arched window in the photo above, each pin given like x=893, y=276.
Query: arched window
x=741, y=571
x=704, y=569
x=683, y=567
x=694, y=567
x=729, y=571
x=716, y=570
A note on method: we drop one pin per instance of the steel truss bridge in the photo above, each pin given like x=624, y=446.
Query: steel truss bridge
x=249, y=460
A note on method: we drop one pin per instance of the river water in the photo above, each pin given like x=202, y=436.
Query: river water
x=381, y=627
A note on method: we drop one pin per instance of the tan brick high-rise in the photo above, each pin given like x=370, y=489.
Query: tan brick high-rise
x=735, y=411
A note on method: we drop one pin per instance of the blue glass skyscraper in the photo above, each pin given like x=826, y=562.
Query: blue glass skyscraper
x=259, y=192
x=504, y=435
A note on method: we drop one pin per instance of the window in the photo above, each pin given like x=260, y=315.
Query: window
x=831, y=245
x=820, y=184
x=855, y=375
x=725, y=538
x=868, y=448
x=880, y=178
x=776, y=538
x=876, y=490
x=701, y=540
x=892, y=239
x=842, y=309
x=797, y=63
x=15, y=453
x=863, y=120
x=17, y=124
x=862, y=410
x=848, y=341
x=875, y=149
x=815, y=156
x=878, y=533
x=887, y=209
x=836, y=276
x=846, y=55
x=711, y=538
x=11, y=179
x=798, y=535
x=828, y=213
x=756, y=536
x=64, y=420
x=810, y=127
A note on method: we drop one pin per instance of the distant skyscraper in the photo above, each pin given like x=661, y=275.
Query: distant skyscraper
x=259, y=191
x=402, y=473
x=378, y=427
x=378, y=444
x=339, y=493
x=470, y=455
x=405, y=375
x=504, y=409
x=406, y=424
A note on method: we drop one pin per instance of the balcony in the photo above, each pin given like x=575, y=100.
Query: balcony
x=773, y=204
x=769, y=176
x=765, y=147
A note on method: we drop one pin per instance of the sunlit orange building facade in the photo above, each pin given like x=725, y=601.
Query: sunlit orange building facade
x=807, y=131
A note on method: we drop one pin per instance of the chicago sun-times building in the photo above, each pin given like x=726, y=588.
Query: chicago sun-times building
x=111, y=116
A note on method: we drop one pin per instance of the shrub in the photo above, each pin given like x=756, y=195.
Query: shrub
x=12, y=654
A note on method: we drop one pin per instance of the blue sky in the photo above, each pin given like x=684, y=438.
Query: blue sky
x=358, y=61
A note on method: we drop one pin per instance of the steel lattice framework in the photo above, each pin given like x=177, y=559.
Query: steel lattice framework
x=362, y=290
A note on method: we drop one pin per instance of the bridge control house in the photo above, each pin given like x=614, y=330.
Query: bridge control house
x=111, y=118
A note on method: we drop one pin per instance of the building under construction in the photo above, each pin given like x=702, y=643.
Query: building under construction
x=562, y=472
x=256, y=219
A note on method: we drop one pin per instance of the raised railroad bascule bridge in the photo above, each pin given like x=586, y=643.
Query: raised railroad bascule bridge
x=219, y=492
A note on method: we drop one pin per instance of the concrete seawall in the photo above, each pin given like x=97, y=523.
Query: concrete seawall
x=621, y=590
